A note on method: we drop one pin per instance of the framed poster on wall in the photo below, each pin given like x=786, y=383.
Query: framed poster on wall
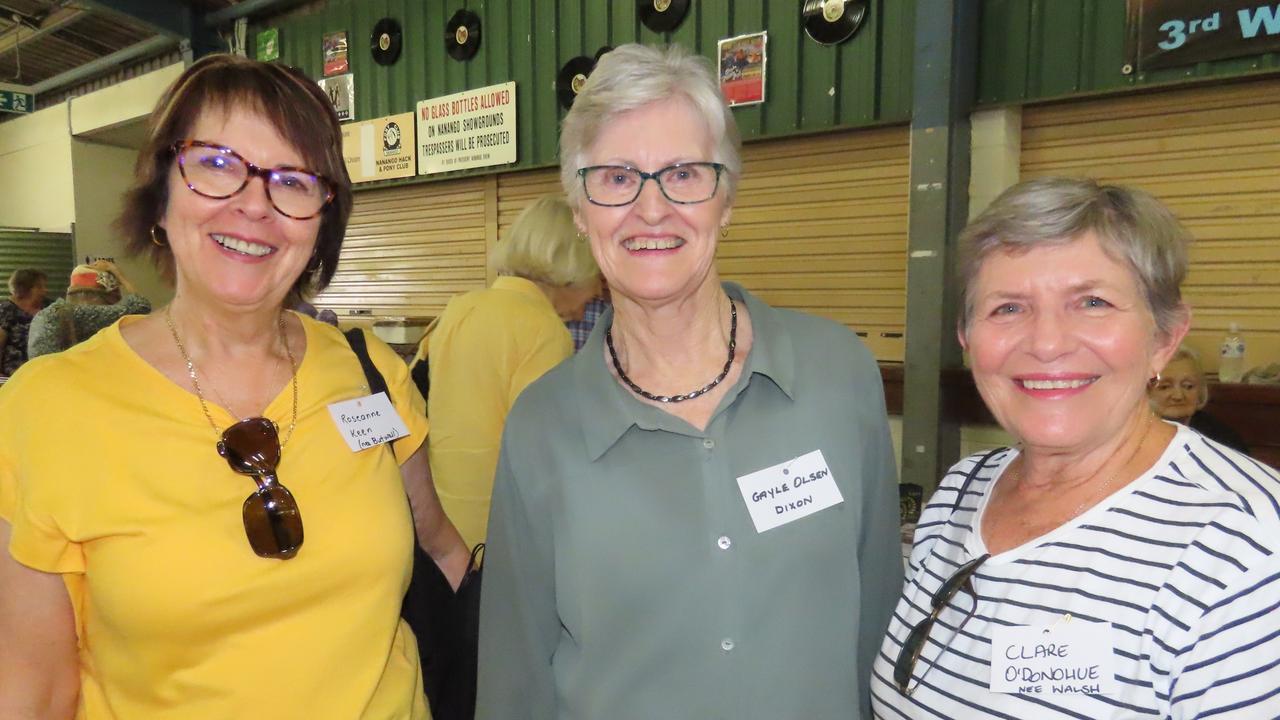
x=742, y=68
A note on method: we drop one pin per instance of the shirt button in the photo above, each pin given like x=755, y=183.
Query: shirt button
x=708, y=443
x=724, y=542
x=726, y=644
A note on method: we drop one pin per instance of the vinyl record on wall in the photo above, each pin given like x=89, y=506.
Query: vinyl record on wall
x=662, y=15
x=385, y=41
x=572, y=76
x=831, y=22
x=462, y=35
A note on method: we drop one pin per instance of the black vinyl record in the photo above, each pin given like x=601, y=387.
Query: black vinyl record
x=831, y=22
x=462, y=35
x=571, y=78
x=385, y=41
x=662, y=15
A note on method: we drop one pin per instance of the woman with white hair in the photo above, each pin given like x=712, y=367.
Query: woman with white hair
x=695, y=516
x=1180, y=393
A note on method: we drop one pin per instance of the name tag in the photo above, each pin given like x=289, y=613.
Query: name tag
x=789, y=491
x=1073, y=657
x=367, y=421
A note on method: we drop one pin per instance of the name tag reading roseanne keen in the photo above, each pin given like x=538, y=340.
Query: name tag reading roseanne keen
x=789, y=491
x=367, y=421
x=1072, y=657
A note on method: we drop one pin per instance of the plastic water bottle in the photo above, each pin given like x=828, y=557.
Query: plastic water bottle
x=1231, y=362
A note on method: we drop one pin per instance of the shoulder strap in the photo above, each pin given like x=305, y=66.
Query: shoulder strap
x=355, y=338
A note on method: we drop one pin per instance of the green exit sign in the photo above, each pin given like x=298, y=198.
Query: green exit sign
x=16, y=102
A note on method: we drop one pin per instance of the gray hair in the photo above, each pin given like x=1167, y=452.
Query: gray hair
x=1133, y=227
x=543, y=245
x=630, y=77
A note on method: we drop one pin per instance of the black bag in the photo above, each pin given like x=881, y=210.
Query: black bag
x=447, y=624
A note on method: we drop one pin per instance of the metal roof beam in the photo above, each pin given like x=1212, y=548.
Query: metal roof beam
x=19, y=34
x=171, y=19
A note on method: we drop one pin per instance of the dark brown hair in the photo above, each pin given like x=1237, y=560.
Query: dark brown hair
x=24, y=280
x=286, y=98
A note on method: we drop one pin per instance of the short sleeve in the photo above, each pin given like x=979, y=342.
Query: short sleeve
x=34, y=504
x=404, y=396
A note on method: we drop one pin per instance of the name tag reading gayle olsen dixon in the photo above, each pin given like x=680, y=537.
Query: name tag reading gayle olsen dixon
x=789, y=491
x=1073, y=657
x=367, y=421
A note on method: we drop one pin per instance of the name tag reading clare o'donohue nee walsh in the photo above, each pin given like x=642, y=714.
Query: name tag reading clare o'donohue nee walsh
x=789, y=491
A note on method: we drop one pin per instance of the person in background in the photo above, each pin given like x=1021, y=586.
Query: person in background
x=27, y=292
x=488, y=345
x=97, y=296
x=696, y=515
x=325, y=315
x=1114, y=565
x=580, y=330
x=1180, y=393
x=156, y=479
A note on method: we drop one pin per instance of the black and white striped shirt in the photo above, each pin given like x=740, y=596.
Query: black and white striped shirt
x=1183, y=563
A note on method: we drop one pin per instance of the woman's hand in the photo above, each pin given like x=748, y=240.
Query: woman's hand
x=436, y=534
x=39, y=669
x=126, y=287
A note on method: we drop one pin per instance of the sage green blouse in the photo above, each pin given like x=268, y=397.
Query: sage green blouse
x=624, y=577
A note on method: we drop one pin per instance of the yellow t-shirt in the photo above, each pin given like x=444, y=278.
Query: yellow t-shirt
x=109, y=475
x=486, y=348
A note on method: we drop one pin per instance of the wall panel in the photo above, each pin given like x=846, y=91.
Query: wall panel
x=1211, y=154
x=864, y=81
x=819, y=225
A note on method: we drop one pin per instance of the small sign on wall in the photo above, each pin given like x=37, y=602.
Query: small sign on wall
x=380, y=149
x=335, y=54
x=471, y=129
x=341, y=90
x=742, y=68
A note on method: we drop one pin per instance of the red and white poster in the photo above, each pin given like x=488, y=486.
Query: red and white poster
x=742, y=65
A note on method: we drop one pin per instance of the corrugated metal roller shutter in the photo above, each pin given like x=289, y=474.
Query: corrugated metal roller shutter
x=820, y=225
x=49, y=252
x=1212, y=155
x=409, y=249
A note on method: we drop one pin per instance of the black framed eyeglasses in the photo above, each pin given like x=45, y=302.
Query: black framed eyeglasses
x=683, y=183
x=218, y=172
x=913, y=646
x=271, y=517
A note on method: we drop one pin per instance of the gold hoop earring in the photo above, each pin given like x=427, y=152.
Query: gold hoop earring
x=155, y=239
x=724, y=231
x=582, y=237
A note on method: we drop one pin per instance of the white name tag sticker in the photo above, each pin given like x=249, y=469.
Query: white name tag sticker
x=789, y=491
x=1073, y=657
x=367, y=421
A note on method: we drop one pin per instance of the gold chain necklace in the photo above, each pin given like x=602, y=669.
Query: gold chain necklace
x=195, y=382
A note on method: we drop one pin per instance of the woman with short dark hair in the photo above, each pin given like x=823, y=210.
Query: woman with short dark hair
x=27, y=291
x=139, y=580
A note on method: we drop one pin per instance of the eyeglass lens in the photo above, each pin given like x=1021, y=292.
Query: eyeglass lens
x=621, y=185
x=916, y=640
x=219, y=172
x=272, y=521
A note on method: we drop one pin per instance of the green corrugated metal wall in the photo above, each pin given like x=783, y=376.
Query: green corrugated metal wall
x=1039, y=49
x=50, y=252
x=811, y=88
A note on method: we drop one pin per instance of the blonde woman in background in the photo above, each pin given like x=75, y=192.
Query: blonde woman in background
x=1180, y=393
x=488, y=345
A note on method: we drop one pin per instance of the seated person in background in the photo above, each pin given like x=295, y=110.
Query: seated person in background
x=27, y=295
x=1180, y=394
x=488, y=345
x=99, y=295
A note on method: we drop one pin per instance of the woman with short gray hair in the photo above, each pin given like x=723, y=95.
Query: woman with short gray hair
x=1113, y=565
x=693, y=517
